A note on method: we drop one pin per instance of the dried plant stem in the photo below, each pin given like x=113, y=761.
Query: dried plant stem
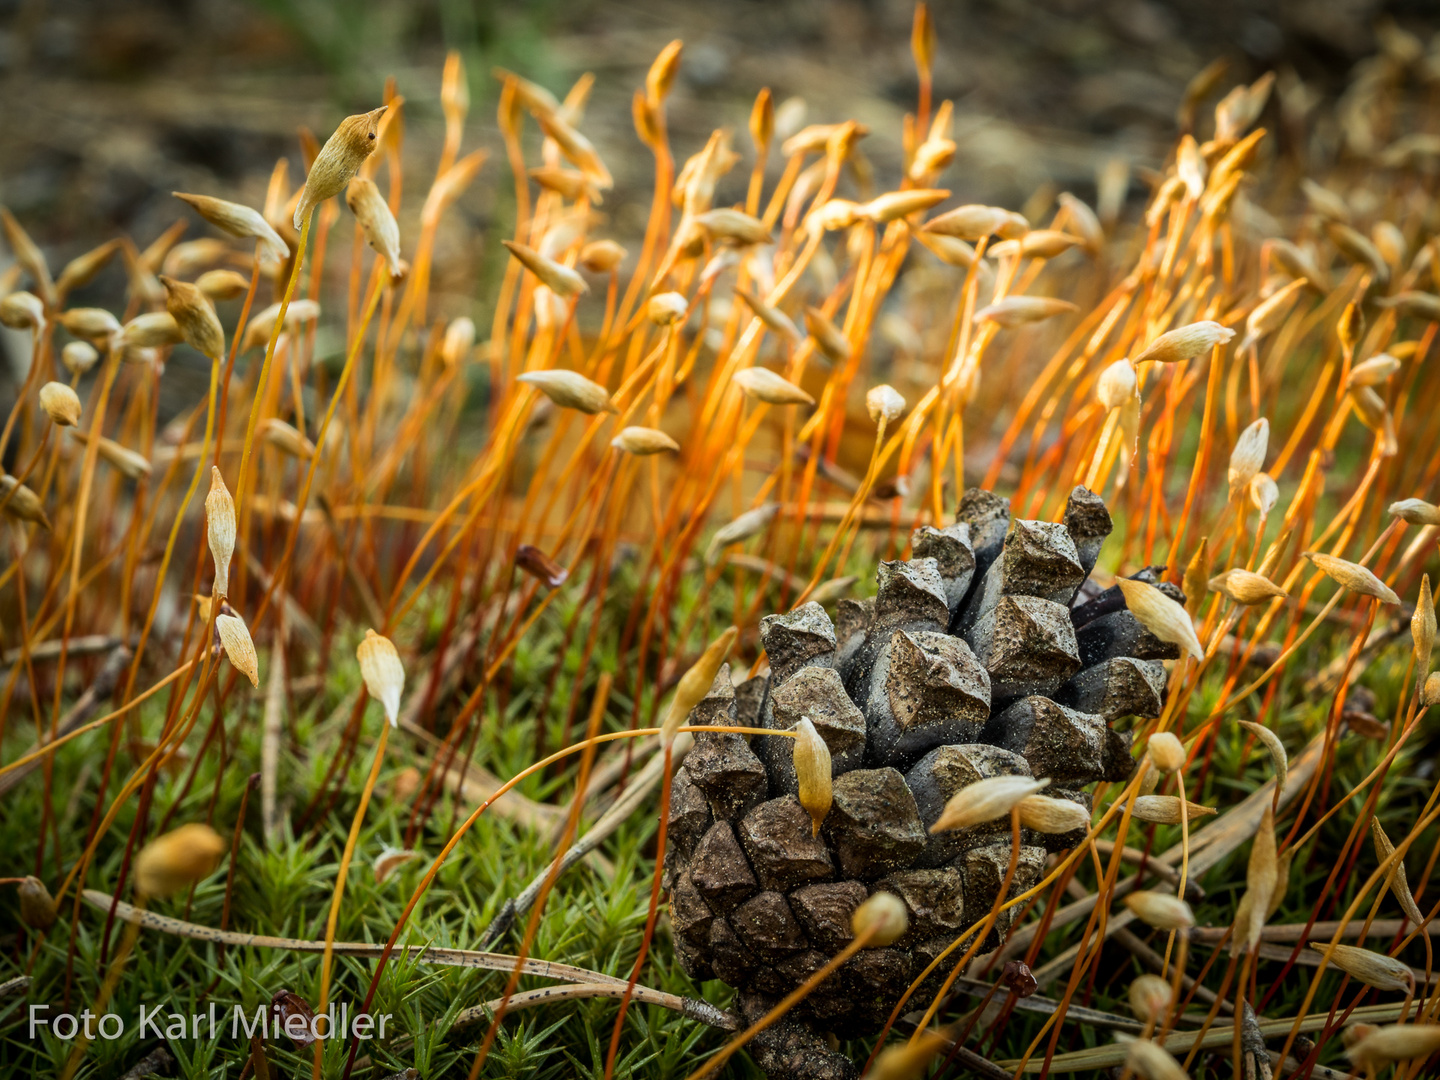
x=272, y=730
x=21, y=766
x=425, y=954
x=264, y=377
x=694, y=1008
x=282, y=570
x=1210, y=844
x=87, y=477
x=637, y=790
x=1180, y=888
x=169, y=742
x=339, y=894
x=1100, y=925
x=1103, y=1057
x=1376, y=878
x=843, y=529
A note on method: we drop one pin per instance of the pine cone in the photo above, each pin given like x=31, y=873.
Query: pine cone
x=985, y=654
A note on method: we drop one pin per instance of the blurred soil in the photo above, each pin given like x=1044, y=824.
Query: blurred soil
x=110, y=105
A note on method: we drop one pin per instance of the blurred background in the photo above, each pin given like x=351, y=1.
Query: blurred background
x=109, y=105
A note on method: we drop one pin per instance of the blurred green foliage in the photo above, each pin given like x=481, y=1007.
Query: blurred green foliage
x=355, y=39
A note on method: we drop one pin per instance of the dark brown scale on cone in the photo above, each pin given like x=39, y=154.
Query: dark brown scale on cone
x=720, y=870
x=767, y=927
x=804, y=636
x=954, y=558
x=800, y=644
x=1088, y=523
x=935, y=900
x=984, y=870
x=873, y=824
x=926, y=689
x=1054, y=741
x=1120, y=634
x=792, y=1049
x=1039, y=560
x=690, y=915
x=987, y=653
x=722, y=765
x=1120, y=686
x=911, y=596
x=987, y=516
x=1027, y=645
x=749, y=697
x=817, y=694
x=778, y=838
x=873, y=980
x=690, y=816
x=942, y=774
x=728, y=956
x=1104, y=601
